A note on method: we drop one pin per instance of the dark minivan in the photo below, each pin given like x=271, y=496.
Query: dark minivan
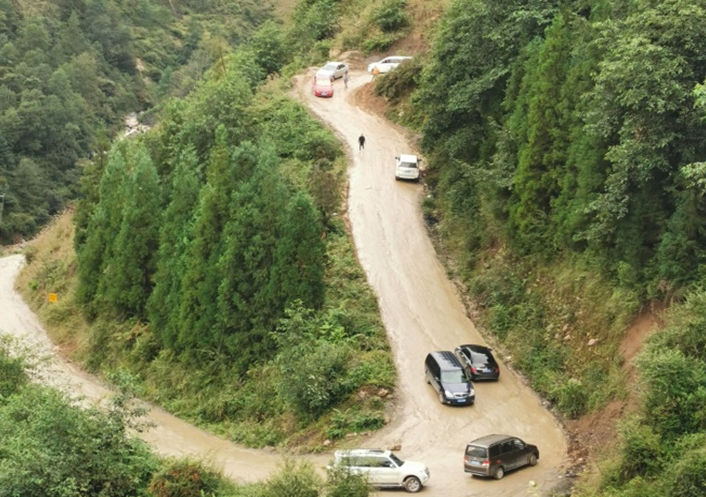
x=494, y=455
x=447, y=376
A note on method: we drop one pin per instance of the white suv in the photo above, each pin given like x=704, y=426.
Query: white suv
x=407, y=167
x=382, y=468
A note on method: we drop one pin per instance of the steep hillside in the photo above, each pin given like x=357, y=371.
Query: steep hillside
x=565, y=163
x=71, y=71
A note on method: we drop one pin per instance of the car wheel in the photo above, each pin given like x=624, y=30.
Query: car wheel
x=412, y=485
x=397, y=178
x=441, y=397
x=499, y=473
x=533, y=460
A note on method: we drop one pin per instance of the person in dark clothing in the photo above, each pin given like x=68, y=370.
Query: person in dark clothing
x=361, y=142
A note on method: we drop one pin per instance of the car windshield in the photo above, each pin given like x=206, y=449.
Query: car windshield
x=408, y=164
x=453, y=376
x=396, y=459
x=323, y=82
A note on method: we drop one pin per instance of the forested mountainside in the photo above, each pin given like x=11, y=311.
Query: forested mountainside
x=70, y=71
x=213, y=264
x=565, y=153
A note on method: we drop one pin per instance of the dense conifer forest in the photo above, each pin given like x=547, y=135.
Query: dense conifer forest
x=70, y=71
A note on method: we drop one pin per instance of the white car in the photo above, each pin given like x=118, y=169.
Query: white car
x=407, y=167
x=332, y=70
x=387, y=64
x=382, y=468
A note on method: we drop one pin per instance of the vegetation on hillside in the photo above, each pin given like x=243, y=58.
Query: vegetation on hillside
x=71, y=70
x=213, y=265
x=54, y=446
x=566, y=167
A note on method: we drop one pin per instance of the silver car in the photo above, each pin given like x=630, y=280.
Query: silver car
x=332, y=70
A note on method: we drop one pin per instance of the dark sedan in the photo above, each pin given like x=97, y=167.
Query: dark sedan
x=478, y=361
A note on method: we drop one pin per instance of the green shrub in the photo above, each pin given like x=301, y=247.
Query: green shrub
x=257, y=434
x=379, y=42
x=391, y=15
x=354, y=420
x=12, y=373
x=637, y=487
x=294, y=479
x=374, y=368
x=343, y=483
x=640, y=450
x=676, y=394
x=687, y=476
x=30, y=253
x=184, y=478
x=398, y=84
x=313, y=377
x=571, y=397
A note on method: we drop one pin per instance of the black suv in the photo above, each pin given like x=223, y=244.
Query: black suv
x=443, y=372
x=478, y=361
x=494, y=455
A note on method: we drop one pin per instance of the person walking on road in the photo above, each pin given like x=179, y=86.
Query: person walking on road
x=361, y=142
x=345, y=81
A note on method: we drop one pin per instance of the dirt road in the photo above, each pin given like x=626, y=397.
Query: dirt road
x=421, y=311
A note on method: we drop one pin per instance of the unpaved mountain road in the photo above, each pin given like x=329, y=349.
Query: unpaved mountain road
x=421, y=311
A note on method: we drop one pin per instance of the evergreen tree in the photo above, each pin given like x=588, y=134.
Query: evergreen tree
x=198, y=309
x=248, y=311
x=95, y=257
x=542, y=139
x=135, y=247
x=298, y=266
x=176, y=227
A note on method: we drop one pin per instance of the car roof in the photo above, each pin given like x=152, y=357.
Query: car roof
x=489, y=440
x=475, y=347
x=408, y=158
x=446, y=359
x=341, y=454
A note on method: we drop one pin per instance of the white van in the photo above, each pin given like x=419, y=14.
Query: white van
x=387, y=64
x=407, y=167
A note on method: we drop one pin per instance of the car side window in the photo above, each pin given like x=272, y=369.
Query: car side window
x=508, y=447
x=494, y=450
x=386, y=463
x=360, y=462
x=519, y=444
